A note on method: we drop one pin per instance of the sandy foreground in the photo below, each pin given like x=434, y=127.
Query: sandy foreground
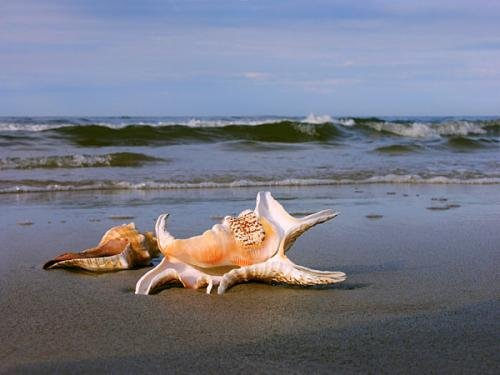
x=422, y=294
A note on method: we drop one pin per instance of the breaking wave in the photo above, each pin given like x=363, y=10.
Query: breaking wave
x=138, y=131
x=119, y=159
x=32, y=186
x=139, y=135
x=418, y=129
x=41, y=124
x=313, y=119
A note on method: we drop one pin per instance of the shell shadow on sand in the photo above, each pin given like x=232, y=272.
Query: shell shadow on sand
x=384, y=267
x=339, y=286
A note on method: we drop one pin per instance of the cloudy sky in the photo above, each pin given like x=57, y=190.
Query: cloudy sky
x=230, y=57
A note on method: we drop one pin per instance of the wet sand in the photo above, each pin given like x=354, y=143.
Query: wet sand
x=422, y=293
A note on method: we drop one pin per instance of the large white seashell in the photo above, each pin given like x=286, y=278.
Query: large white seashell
x=121, y=247
x=249, y=247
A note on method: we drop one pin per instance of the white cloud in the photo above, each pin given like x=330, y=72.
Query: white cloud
x=310, y=84
x=258, y=76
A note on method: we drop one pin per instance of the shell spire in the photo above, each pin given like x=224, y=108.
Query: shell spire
x=163, y=237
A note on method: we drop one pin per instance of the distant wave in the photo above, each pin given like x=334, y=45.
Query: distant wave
x=142, y=132
x=31, y=186
x=41, y=124
x=119, y=159
x=423, y=129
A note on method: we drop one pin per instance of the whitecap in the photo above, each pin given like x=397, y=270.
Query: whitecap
x=313, y=119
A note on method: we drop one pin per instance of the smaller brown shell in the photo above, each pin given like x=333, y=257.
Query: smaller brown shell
x=121, y=247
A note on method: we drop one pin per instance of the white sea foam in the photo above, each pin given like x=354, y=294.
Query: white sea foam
x=75, y=161
x=197, y=123
x=313, y=119
x=151, y=185
x=193, y=122
x=459, y=128
x=413, y=130
x=63, y=161
x=14, y=127
x=40, y=127
x=349, y=122
x=424, y=130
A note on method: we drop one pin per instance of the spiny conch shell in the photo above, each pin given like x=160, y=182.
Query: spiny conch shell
x=251, y=246
x=121, y=247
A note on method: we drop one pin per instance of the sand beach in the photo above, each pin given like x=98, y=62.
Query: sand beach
x=422, y=294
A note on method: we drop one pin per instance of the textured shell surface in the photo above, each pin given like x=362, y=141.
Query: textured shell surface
x=247, y=230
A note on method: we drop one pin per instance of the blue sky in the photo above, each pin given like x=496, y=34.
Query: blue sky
x=214, y=57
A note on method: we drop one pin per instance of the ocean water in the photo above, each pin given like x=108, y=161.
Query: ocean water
x=141, y=153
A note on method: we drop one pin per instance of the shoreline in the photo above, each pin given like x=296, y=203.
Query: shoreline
x=265, y=185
